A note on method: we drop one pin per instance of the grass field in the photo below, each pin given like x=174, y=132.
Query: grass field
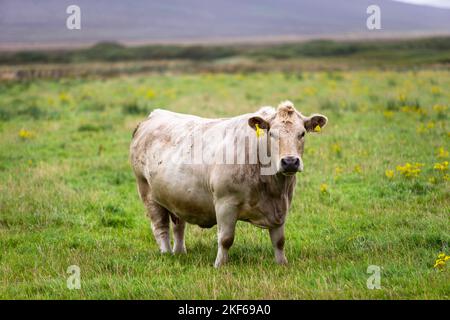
x=68, y=196
x=112, y=59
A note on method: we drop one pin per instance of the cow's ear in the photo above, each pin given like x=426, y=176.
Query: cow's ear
x=262, y=124
x=315, y=122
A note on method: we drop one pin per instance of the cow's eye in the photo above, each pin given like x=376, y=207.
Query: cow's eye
x=301, y=135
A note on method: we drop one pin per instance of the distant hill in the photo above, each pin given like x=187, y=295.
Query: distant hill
x=42, y=23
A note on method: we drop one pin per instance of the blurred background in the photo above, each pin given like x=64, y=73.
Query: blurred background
x=219, y=35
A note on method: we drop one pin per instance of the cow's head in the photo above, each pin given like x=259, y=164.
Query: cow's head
x=288, y=128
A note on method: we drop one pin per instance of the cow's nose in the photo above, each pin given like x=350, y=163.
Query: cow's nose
x=290, y=164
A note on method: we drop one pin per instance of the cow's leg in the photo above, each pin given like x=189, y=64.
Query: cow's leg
x=277, y=237
x=158, y=215
x=178, y=235
x=226, y=223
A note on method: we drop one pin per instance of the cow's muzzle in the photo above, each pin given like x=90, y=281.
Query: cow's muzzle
x=291, y=165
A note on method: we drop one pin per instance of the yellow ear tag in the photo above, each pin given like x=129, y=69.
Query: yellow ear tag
x=259, y=131
x=317, y=129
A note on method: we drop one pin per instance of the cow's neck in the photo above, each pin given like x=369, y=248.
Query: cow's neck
x=279, y=184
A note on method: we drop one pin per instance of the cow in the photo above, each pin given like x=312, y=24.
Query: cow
x=175, y=188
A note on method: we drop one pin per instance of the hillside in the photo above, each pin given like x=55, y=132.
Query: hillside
x=38, y=23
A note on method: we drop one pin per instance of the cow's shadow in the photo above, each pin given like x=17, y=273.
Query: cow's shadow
x=255, y=250
x=201, y=254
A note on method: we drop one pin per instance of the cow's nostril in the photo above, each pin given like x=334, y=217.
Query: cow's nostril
x=290, y=164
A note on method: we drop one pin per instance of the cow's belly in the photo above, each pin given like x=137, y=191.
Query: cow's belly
x=185, y=194
x=189, y=209
x=265, y=220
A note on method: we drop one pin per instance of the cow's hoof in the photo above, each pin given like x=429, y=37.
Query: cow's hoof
x=165, y=250
x=220, y=263
x=281, y=261
x=181, y=250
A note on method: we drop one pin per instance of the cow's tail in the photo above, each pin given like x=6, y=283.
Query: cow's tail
x=137, y=127
x=135, y=130
x=174, y=218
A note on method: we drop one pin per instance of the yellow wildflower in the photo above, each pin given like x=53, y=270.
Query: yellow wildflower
x=435, y=90
x=338, y=170
x=150, y=94
x=442, y=153
x=357, y=169
x=389, y=174
x=405, y=109
x=310, y=91
x=425, y=127
x=64, y=97
x=430, y=125
x=441, y=260
x=421, y=111
x=336, y=148
x=25, y=134
x=323, y=188
x=413, y=109
x=388, y=114
x=439, y=108
x=410, y=170
x=443, y=166
x=439, y=264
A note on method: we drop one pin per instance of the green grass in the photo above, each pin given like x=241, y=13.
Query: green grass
x=68, y=196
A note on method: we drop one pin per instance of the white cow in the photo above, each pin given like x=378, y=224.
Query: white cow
x=174, y=186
